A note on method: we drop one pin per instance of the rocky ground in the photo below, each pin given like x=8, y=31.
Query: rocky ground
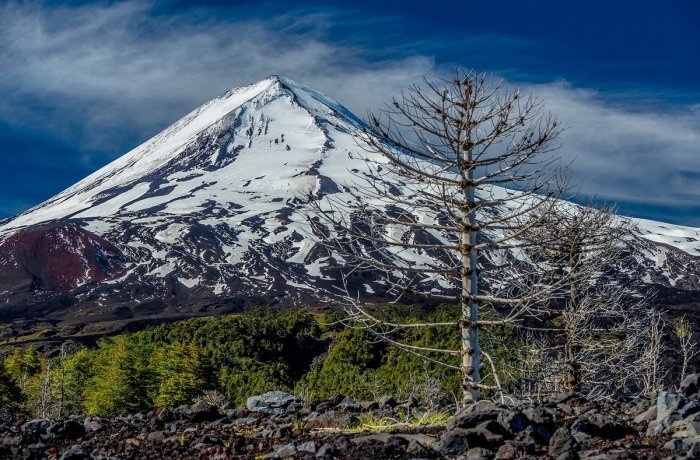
x=279, y=425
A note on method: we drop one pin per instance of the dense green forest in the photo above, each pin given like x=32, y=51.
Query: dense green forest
x=233, y=357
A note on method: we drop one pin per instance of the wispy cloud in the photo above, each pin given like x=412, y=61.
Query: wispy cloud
x=629, y=154
x=87, y=73
x=100, y=78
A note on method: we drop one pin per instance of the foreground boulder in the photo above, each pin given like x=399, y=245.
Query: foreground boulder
x=272, y=402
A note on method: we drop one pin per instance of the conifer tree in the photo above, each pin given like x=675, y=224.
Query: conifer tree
x=180, y=372
x=120, y=379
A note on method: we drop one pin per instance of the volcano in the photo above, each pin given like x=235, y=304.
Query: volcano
x=209, y=216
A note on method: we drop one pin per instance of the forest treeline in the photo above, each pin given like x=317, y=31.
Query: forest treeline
x=233, y=357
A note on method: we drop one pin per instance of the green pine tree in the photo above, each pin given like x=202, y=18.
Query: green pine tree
x=120, y=381
x=180, y=370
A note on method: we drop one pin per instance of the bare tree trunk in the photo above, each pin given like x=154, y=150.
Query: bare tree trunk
x=62, y=362
x=471, y=360
x=43, y=409
x=573, y=372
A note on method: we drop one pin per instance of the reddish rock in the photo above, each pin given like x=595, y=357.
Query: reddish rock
x=57, y=258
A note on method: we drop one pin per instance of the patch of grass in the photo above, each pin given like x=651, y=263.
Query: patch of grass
x=376, y=423
x=430, y=418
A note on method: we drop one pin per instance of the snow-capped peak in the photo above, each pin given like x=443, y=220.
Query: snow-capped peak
x=242, y=116
x=209, y=213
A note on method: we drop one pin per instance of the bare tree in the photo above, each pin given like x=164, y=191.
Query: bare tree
x=44, y=403
x=61, y=376
x=683, y=331
x=651, y=363
x=429, y=215
x=595, y=327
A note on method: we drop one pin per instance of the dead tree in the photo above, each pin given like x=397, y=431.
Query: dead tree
x=684, y=333
x=595, y=327
x=450, y=172
x=652, y=367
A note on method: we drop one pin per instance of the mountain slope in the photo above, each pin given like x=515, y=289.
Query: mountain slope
x=209, y=214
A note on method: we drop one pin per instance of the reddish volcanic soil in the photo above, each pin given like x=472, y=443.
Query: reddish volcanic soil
x=57, y=258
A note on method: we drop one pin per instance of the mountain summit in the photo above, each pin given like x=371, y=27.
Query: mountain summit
x=208, y=216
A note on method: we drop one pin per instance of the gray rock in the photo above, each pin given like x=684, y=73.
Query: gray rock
x=332, y=419
x=563, y=446
x=390, y=437
x=155, y=436
x=349, y=405
x=690, y=409
x=202, y=411
x=419, y=449
x=479, y=453
x=605, y=426
x=693, y=450
x=592, y=454
x=579, y=431
x=646, y=416
x=683, y=429
x=327, y=451
x=307, y=447
x=537, y=433
x=182, y=412
x=284, y=450
x=565, y=408
x=382, y=445
x=495, y=428
x=474, y=414
x=559, y=398
x=244, y=421
x=283, y=432
x=539, y=415
x=459, y=440
x=76, y=452
x=70, y=429
x=620, y=454
x=33, y=429
x=387, y=401
x=690, y=386
x=513, y=420
x=655, y=428
x=667, y=404
x=272, y=402
x=676, y=444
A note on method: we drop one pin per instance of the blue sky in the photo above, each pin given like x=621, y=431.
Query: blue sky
x=84, y=82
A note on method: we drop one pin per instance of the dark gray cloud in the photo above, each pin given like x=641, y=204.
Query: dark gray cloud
x=100, y=78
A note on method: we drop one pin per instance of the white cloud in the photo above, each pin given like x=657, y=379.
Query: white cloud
x=102, y=69
x=102, y=77
x=632, y=154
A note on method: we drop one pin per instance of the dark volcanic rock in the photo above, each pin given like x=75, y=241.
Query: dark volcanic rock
x=459, y=440
x=563, y=446
x=204, y=412
x=503, y=433
x=70, y=429
x=33, y=429
x=474, y=414
x=690, y=386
